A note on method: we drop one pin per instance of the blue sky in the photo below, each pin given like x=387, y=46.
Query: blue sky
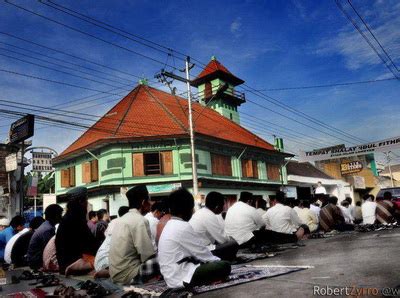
x=269, y=44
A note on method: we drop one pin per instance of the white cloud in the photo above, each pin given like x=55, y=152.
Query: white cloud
x=236, y=26
x=354, y=49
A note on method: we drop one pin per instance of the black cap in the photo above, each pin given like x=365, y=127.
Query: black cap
x=77, y=193
x=139, y=191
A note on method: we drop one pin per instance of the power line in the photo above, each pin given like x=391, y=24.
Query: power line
x=88, y=34
x=328, y=85
x=63, y=61
x=373, y=35
x=348, y=16
x=72, y=56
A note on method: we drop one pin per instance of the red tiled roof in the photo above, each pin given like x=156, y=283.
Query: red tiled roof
x=213, y=69
x=151, y=113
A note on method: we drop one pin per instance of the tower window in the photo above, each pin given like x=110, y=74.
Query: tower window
x=230, y=116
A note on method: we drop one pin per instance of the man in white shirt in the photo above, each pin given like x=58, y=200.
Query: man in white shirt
x=368, y=210
x=244, y=224
x=184, y=259
x=242, y=219
x=307, y=216
x=344, y=207
x=320, y=189
x=10, y=244
x=283, y=219
x=157, y=211
x=206, y=222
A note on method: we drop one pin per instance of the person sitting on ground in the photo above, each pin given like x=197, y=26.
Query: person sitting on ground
x=4, y=223
x=331, y=217
x=247, y=228
x=163, y=220
x=42, y=236
x=283, y=219
x=101, y=262
x=368, y=210
x=75, y=244
x=16, y=225
x=385, y=209
x=207, y=223
x=101, y=226
x=346, y=212
x=261, y=206
x=131, y=250
x=184, y=259
x=358, y=213
x=351, y=207
x=92, y=221
x=315, y=207
x=154, y=216
x=307, y=216
x=20, y=248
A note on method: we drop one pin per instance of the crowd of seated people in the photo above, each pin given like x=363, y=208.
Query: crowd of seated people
x=168, y=239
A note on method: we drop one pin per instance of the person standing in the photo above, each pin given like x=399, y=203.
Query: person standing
x=320, y=189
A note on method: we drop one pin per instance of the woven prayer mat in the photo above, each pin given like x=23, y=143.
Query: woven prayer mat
x=240, y=274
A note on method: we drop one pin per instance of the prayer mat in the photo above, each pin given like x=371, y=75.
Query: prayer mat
x=39, y=293
x=242, y=258
x=240, y=274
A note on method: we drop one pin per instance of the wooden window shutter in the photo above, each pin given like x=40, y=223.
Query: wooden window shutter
x=247, y=168
x=94, y=170
x=72, y=176
x=65, y=178
x=138, y=165
x=86, y=172
x=273, y=172
x=167, y=162
x=227, y=166
x=207, y=90
x=214, y=166
x=255, y=169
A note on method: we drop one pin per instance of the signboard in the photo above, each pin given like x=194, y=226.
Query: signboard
x=11, y=162
x=42, y=162
x=359, y=182
x=351, y=167
x=334, y=153
x=22, y=129
x=161, y=188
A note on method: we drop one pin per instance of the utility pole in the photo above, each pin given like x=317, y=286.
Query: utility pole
x=191, y=132
x=388, y=159
x=162, y=78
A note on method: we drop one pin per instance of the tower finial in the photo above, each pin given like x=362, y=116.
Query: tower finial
x=144, y=82
x=213, y=58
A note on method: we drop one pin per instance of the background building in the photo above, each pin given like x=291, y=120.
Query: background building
x=144, y=140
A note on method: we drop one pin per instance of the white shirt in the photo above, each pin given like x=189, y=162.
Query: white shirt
x=368, y=212
x=208, y=226
x=241, y=220
x=178, y=241
x=101, y=260
x=10, y=245
x=309, y=218
x=282, y=219
x=316, y=210
x=320, y=190
x=261, y=211
x=348, y=218
x=153, y=221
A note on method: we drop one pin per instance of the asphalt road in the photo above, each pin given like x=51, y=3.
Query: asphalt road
x=360, y=261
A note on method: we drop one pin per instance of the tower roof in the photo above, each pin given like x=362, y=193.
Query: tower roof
x=213, y=70
x=147, y=113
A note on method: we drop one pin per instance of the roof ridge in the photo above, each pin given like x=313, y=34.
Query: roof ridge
x=127, y=110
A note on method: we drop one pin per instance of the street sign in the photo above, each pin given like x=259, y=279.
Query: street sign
x=22, y=129
x=341, y=152
x=11, y=162
x=42, y=161
x=351, y=167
